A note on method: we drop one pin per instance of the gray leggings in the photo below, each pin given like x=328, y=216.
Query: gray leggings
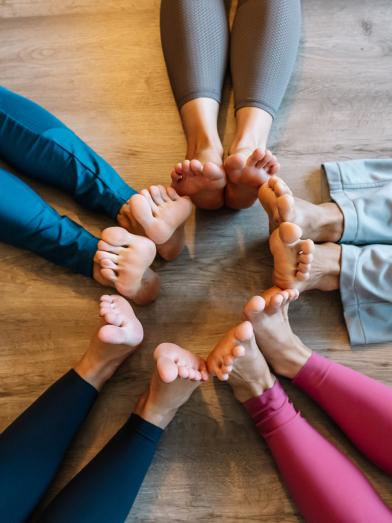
x=263, y=49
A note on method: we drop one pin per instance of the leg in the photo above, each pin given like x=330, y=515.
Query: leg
x=351, y=399
x=36, y=143
x=107, y=487
x=195, y=44
x=119, y=260
x=326, y=486
x=264, y=46
x=33, y=446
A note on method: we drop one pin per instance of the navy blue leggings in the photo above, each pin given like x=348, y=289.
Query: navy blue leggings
x=33, y=446
x=36, y=144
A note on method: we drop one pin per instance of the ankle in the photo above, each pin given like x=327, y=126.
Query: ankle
x=245, y=390
x=94, y=372
x=325, y=271
x=200, y=142
x=291, y=360
x=152, y=413
x=331, y=222
x=253, y=127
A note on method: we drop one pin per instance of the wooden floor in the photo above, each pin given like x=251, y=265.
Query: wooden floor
x=98, y=66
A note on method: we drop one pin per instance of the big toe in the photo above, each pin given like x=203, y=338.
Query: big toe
x=289, y=232
x=116, y=236
x=167, y=369
x=243, y=332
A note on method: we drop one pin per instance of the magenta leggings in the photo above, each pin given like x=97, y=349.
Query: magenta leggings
x=325, y=484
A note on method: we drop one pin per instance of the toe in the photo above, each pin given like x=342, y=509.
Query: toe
x=167, y=369
x=108, y=298
x=172, y=193
x=275, y=303
x=164, y=195
x=305, y=258
x=109, y=275
x=302, y=276
x=156, y=194
x=306, y=246
x=293, y=294
x=183, y=371
x=303, y=267
x=257, y=157
x=289, y=232
x=146, y=194
x=116, y=236
x=196, y=167
x=254, y=306
x=106, y=263
x=244, y=331
x=238, y=351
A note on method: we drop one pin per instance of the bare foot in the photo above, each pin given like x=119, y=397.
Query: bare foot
x=160, y=214
x=178, y=373
x=237, y=358
x=299, y=264
x=320, y=223
x=268, y=315
x=113, y=342
x=122, y=261
x=292, y=257
x=202, y=178
x=246, y=171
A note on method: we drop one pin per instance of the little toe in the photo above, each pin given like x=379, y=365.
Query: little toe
x=293, y=294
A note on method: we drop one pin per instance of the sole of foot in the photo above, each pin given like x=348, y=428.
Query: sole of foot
x=203, y=182
x=118, y=337
x=268, y=315
x=246, y=171
x=122, y=261
x=320, y=223
x=238, y=360
x=162, y=213
x=292, y=257
x=177, y=374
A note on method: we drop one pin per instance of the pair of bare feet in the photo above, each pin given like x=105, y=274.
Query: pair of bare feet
x=212, y=183
x=177, y=373
x=152, y=221
x=236, y=358
x=205, y=176
x=303, y=264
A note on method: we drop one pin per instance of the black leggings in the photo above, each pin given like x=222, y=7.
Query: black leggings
x=263, y=49
x=33, y=446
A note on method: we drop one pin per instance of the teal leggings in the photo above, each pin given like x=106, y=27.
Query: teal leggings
x=39, y=146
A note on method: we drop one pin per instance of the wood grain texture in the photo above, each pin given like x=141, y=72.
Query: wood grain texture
x=99, y=67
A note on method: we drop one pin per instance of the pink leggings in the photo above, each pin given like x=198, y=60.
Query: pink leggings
x=326, y=485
